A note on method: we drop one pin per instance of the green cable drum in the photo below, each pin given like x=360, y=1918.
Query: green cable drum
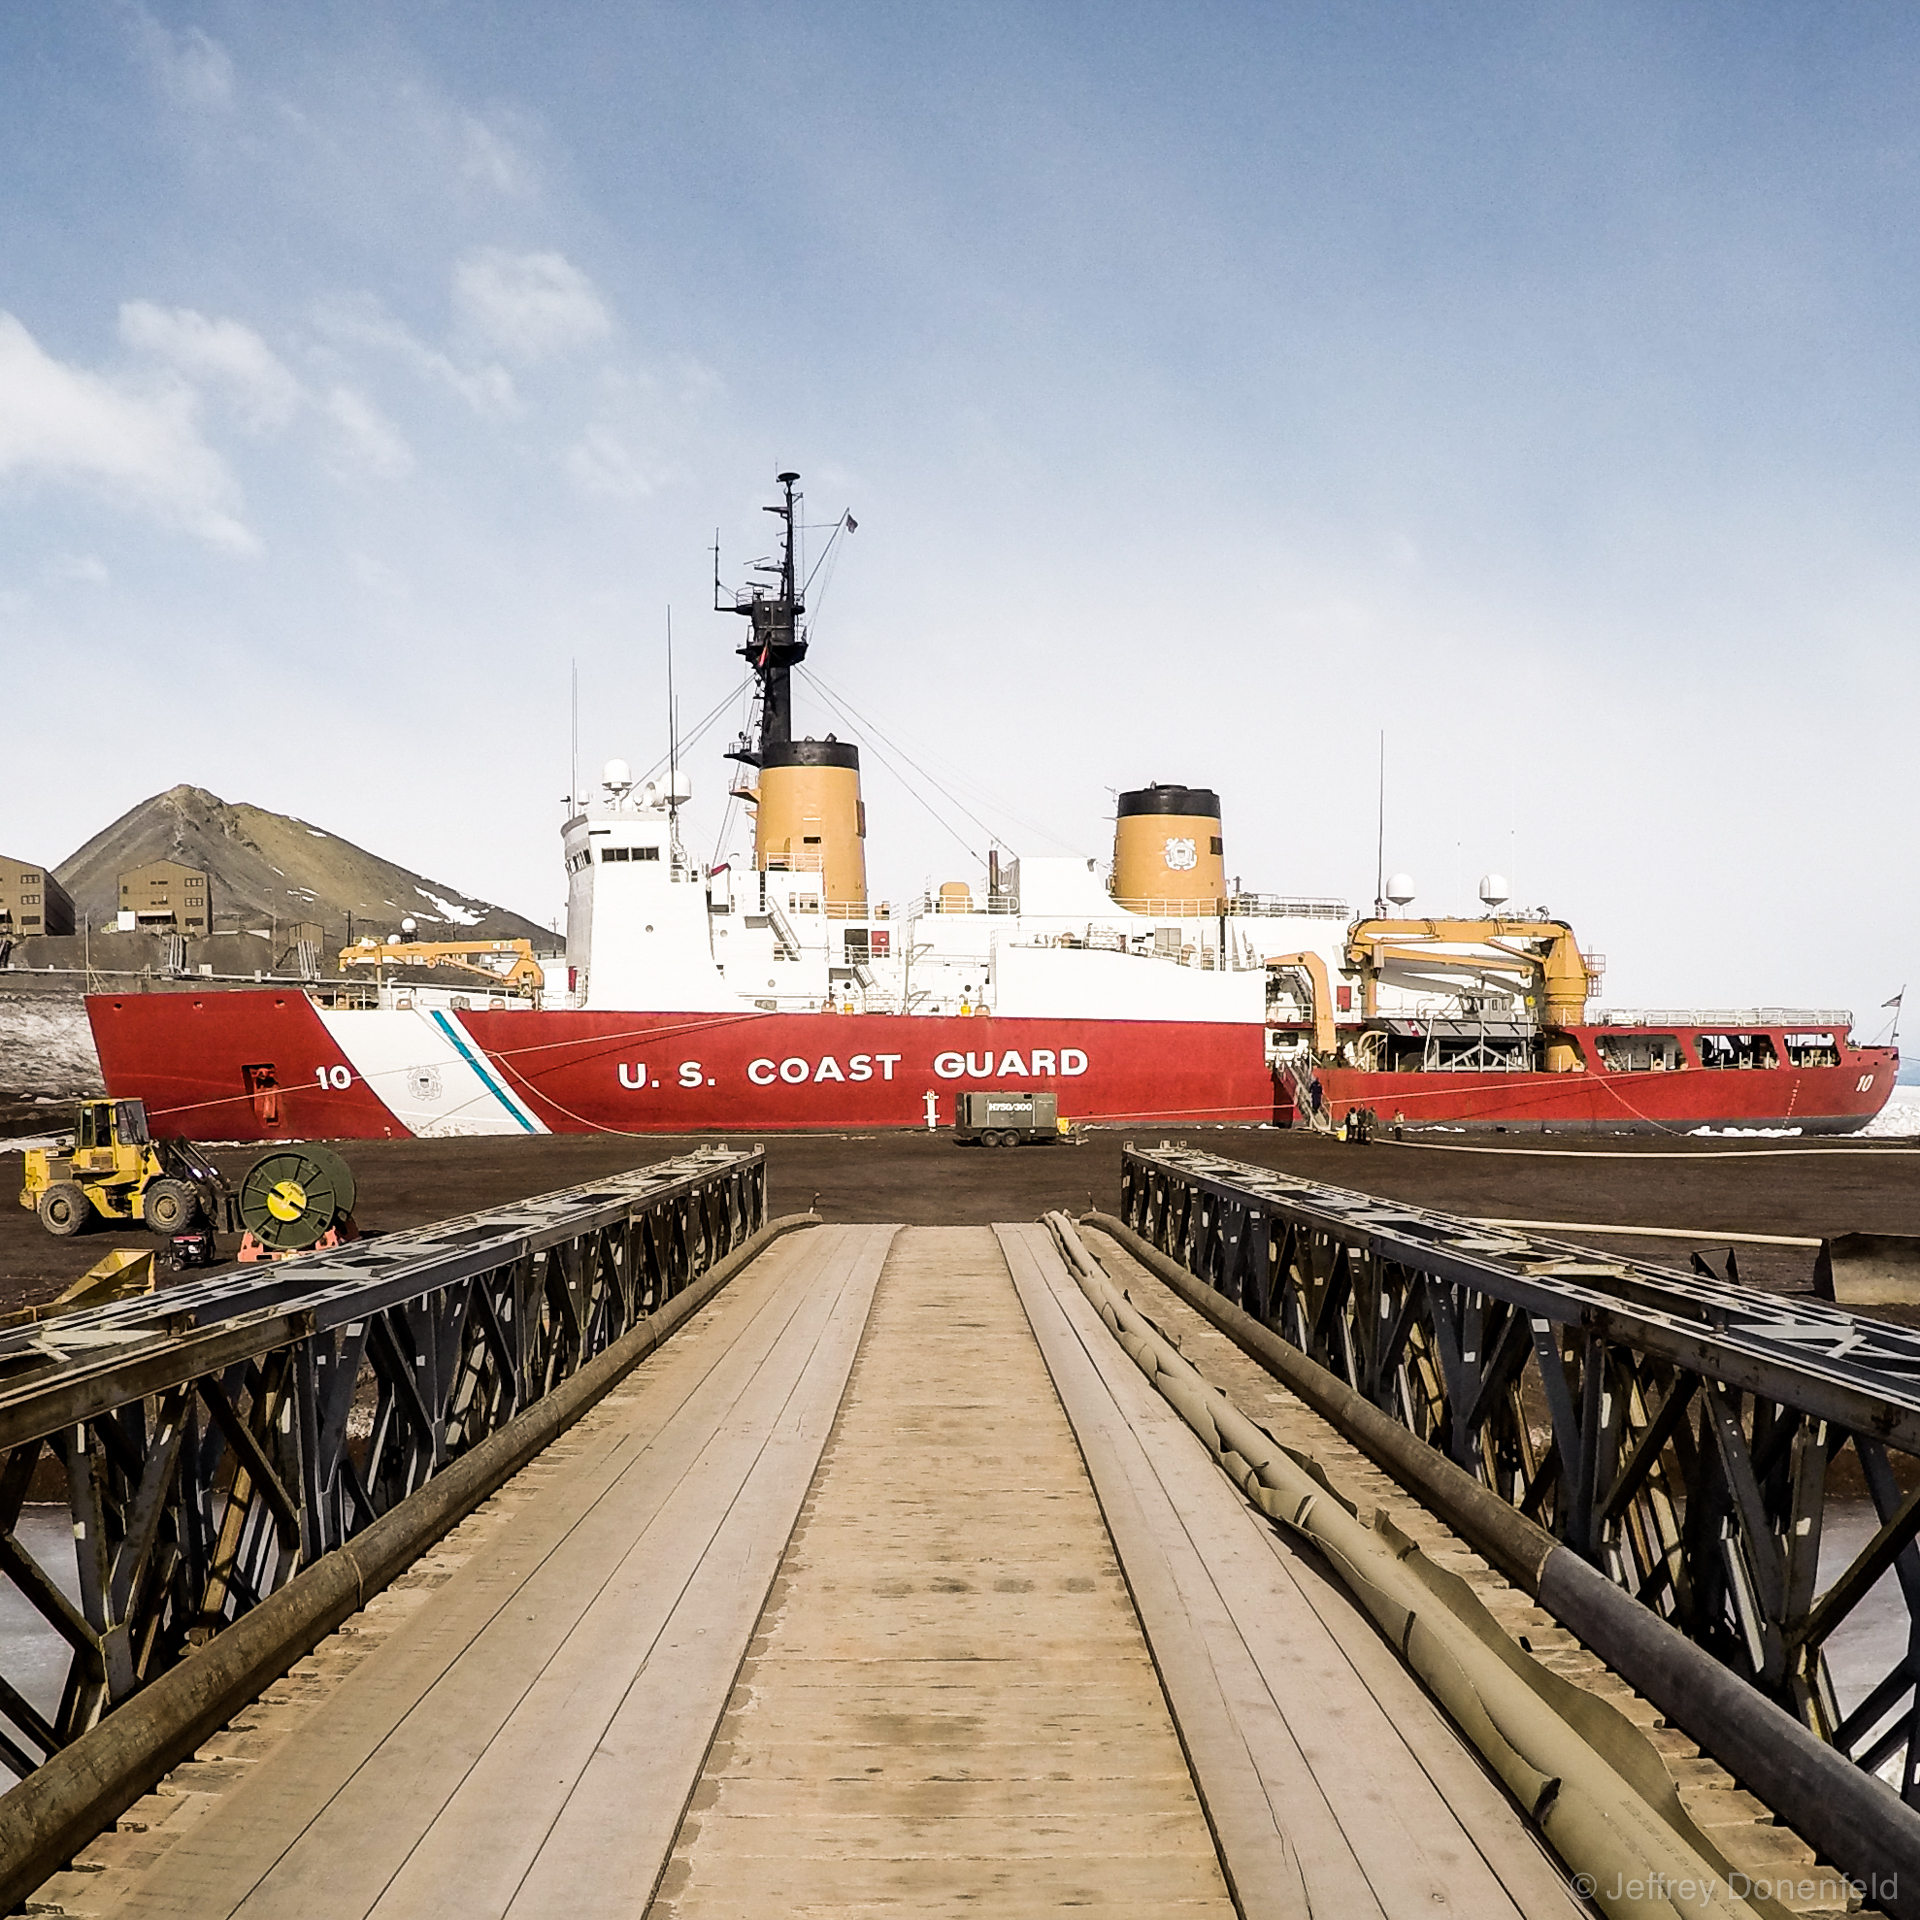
x=292, y=1196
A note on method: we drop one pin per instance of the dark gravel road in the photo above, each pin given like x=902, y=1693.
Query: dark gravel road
x=1808, y=1189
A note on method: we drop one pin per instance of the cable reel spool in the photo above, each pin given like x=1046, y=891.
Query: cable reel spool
x=293, y=1197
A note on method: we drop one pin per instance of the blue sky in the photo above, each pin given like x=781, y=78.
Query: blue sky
x=1214, y=387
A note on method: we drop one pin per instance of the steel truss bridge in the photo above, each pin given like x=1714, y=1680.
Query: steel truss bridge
x=212, y=1440
x=1680, y=1433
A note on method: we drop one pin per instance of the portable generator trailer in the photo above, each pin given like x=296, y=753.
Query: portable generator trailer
x=991, y=1119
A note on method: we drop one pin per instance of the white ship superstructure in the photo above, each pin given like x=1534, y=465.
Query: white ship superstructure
x=648, y=929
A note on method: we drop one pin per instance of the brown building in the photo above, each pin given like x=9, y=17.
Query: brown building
x=165, y=897
x=32, y=901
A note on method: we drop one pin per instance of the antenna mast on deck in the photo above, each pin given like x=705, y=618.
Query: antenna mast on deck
x=778, y=643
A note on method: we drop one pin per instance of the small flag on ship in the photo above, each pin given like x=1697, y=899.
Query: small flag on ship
x=1897, y=998
x=853, y=525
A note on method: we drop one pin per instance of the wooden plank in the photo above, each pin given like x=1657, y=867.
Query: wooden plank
x=1395, y=1795
x=327, y=1825
x=948, y=1706
x=1218, y=1698
x=630, y=1756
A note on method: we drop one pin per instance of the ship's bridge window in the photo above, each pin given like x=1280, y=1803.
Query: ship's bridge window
x=1737, y=1050
x=646, y=853
x=1813, y=1050
x=610, y=854
x=1640, y=1052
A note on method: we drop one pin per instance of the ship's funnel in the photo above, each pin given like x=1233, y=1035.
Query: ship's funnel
x=1167, y=854
x=810, y=818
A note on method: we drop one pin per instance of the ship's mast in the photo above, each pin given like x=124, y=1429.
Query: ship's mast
x=777, y=643
x=808, y=819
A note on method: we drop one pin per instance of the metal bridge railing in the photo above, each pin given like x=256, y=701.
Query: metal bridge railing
x=213, y=1439
x=1679, y=1433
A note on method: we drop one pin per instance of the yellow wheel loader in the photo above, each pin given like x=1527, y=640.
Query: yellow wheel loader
x=115, y=1171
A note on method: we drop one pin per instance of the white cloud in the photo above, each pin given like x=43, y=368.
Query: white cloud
x=368, y=434
x=601, y=466
x=488, y=156
x=528, y=305
x=140, y=448
x=361, y=320
x=220, y=352
x=84, y=569
x=192, y=69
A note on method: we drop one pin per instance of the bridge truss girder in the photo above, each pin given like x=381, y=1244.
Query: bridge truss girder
x=211, y=1440
x=1678, y=1432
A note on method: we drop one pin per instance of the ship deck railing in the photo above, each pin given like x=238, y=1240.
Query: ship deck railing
x=993, y=903
x=1202, y=956
x=1274, y=906
x=1717, y=1017
x=1239, y=906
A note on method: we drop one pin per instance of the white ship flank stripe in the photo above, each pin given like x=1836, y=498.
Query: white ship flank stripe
x=428, y=1072
x=464, y=1046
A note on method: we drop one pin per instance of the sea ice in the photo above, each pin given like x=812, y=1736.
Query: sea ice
x=1899, y=1119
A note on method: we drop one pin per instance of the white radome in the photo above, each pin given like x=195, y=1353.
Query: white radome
x=1494, y=891
x=1400, y=888
x=616, y=773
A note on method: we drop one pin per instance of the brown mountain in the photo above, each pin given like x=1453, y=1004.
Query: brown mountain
x=270, y=870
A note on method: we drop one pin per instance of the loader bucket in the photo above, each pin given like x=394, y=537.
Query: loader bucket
x=123, y=1274
x=1869, y=1270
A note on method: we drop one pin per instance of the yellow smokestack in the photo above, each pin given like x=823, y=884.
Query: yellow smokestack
x=1167, y=854
x=810, y=817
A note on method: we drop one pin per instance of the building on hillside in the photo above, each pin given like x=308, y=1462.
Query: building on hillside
x=301, y=946
x=166, y=897
x=32, y=901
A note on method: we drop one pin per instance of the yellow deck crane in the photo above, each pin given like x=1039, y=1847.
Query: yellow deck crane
x=503, y=963
x=1539, y=958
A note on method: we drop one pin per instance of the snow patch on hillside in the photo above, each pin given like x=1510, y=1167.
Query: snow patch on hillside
x=460, y=916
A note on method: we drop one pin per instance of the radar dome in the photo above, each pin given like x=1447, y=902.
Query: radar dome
x=407, y=927
x=1494, y=891
x=1400, y=888
x=678, y=786
x=616, y=773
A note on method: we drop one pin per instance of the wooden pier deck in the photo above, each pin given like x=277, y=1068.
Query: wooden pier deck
x=883, y=1587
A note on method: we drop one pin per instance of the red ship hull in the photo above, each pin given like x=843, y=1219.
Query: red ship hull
x=267, y=1065
x=1838, y=1099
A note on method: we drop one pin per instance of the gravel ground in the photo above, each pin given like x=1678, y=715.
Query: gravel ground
x=1707, y=1187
